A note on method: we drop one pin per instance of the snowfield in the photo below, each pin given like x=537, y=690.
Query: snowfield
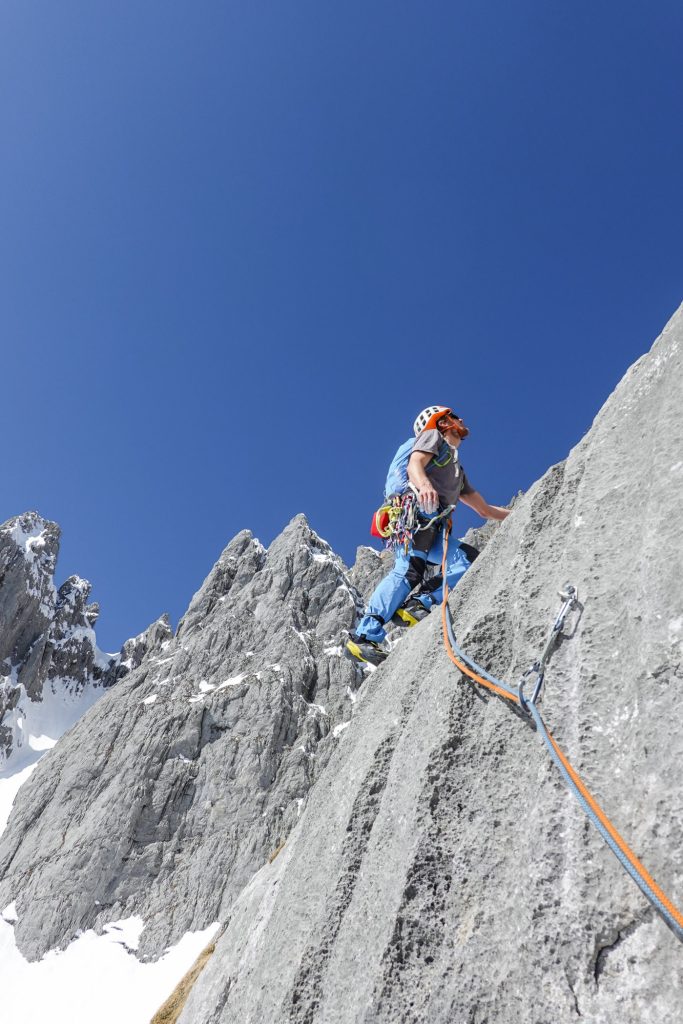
x=9, y=787
x=96, y=978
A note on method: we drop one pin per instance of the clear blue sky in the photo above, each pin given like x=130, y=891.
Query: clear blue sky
x=243, y=244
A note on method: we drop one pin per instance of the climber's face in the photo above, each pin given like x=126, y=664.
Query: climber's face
x=453, y=429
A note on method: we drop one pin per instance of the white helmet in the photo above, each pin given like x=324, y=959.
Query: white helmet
x=427, y=419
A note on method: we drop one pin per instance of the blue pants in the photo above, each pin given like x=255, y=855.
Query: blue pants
x=404, y=577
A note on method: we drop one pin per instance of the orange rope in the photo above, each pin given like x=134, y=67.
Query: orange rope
x=597, y=810
x=449, y=650
x=621, y=843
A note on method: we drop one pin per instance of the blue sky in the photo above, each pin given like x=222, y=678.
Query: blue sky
x=242, y=245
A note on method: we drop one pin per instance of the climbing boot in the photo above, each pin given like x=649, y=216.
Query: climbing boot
x=358, y=648
x=412, y=612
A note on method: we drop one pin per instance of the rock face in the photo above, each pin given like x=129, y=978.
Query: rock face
x=441, y=872
x=181, y=781
x=48, y=649
x=435, y=868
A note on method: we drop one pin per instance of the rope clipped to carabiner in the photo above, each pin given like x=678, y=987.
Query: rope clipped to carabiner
x=626, y=857
x=570, y=598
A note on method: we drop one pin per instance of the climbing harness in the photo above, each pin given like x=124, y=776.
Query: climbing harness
x=468, y=667
x=437, y=518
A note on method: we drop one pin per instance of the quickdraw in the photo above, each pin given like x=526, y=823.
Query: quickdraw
x=627, y=858
x=398, y=520
x=406, y=521
x=570, y=598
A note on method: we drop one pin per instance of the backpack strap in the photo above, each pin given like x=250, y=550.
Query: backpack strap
x=443, y=456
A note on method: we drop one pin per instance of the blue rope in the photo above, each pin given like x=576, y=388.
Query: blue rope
x=543, y=732
x=613, y=845
x=472, y=664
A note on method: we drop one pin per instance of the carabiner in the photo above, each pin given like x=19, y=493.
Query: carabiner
x=537, y=671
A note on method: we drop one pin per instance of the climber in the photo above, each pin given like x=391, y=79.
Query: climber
x=429, y=469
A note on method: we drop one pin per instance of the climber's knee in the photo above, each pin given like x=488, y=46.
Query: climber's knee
x=416, y=571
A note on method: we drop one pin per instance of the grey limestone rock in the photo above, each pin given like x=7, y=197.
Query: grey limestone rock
x=28, y=553
x=441, y=872
x=47, y=639
x=172, y=791
x=134, y=651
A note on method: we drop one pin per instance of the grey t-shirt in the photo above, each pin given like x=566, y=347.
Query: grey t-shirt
x=445, y=473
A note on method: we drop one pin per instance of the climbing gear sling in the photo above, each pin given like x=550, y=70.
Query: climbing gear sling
x=617, y=844
x=399, y=520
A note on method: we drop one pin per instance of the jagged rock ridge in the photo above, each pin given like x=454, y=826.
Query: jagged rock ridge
x=49, y=660
x=180, y=782
x=51, y=668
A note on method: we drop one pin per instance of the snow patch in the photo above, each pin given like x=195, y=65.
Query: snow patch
x=9, y=914
x=315, y=707
x=37, y=725
x=41, y=742
x=205, y=688
x=95, y=978
x=32, y=544
x=10, y=784
x=235, y=681
x=152, y=699
x=339, y=729
x=127, y=931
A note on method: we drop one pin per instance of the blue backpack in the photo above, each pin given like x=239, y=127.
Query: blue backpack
x=397, y=477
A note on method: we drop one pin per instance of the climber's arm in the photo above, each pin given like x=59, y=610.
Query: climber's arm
x=480, y=505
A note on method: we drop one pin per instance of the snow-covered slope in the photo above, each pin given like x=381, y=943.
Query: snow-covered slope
x=51, y=669
x=97, y=978
x=51, y=672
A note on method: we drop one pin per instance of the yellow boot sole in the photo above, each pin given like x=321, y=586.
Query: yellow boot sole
x=406, y=617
